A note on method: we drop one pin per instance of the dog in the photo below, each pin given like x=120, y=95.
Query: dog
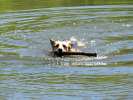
x=71, y=45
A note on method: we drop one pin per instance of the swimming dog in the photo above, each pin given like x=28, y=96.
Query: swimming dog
x=71, y=45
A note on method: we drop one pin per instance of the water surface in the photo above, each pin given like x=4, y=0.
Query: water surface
x=28, y=72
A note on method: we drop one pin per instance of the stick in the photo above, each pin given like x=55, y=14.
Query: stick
x=75, y=53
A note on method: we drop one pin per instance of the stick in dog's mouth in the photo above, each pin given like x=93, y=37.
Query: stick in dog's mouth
x=60, y=54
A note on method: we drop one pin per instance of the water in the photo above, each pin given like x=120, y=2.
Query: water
x=28, y=72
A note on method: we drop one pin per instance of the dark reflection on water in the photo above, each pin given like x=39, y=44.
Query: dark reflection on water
x=27, y=71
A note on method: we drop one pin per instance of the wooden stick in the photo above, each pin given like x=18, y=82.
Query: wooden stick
x=75, y=53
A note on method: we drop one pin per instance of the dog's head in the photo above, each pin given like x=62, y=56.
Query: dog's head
x=61, y=46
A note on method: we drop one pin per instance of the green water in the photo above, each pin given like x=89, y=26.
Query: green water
x=28, y=72
x=13, y=5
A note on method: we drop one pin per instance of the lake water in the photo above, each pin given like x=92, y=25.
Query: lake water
x=28, y=72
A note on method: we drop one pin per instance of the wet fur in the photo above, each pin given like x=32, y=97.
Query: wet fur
x=65, y=46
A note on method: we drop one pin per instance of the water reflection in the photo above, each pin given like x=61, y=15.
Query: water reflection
x=21, y=5
x=27, y=71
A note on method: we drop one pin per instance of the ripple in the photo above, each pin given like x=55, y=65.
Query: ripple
x=90, y=21
x=115, y=39
x=27, y=68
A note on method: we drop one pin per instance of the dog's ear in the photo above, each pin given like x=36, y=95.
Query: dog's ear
x=52, y=41
x=69, y=44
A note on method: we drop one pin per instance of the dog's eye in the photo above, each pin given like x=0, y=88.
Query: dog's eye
x=69, y=47
x=64, y=46
x=57, y=45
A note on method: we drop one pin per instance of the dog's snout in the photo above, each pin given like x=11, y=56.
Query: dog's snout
x=60, y=50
